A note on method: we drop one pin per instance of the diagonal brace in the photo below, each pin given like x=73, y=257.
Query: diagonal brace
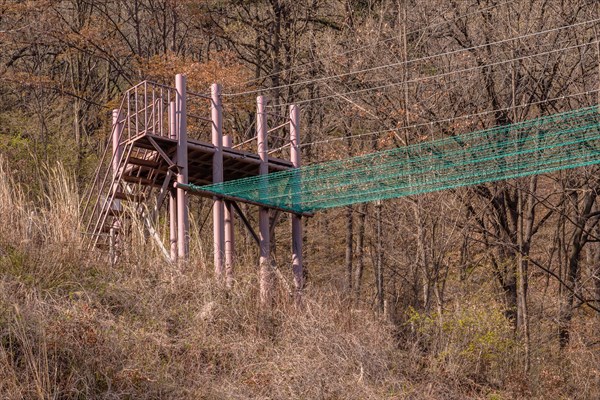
x=161, y=152
x=239, y=212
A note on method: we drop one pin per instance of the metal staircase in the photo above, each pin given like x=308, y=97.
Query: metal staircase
x=132, y=178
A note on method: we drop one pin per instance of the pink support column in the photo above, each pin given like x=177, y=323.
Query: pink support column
x=296, y=219
x=265, y=240
x=218, y=210
x=116, y=138
x=117, y=150
x=183, y=222
x=229, y=238
x=172, y=192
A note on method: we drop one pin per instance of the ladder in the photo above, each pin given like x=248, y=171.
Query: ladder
x=125, y=181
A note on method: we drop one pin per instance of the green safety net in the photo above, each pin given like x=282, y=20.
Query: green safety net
x=556, y=142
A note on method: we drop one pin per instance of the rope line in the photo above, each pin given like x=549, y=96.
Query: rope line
x=426, y=78
x=541, y=145
x=407, y=62
x=439, y=121
x=369, y=45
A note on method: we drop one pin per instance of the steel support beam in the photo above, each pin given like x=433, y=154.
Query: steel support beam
x=117, y=151
x=204, y=193
x=183, y=222
x=172, y=191
x=229, y=233
x=297, y=266
x=247, y=224
x=266, y=278
x=217, y=161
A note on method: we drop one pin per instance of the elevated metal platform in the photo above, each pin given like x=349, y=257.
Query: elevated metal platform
x=155, y=157
x=154, y=166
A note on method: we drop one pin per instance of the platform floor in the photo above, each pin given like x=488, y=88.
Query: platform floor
x=146, y=165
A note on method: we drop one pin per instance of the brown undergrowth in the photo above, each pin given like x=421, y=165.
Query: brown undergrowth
x=74, y=327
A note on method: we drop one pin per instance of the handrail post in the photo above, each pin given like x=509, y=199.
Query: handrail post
x=218, y=211
x=297, y=267
x=183, y=223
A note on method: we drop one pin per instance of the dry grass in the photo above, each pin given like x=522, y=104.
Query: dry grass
x=73, y=327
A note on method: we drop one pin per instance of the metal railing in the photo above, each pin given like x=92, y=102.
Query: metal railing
x=145, y=109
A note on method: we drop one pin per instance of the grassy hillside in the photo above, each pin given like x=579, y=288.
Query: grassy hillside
x=74, y=327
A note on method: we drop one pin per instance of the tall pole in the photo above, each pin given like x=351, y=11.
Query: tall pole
x=296, y=219
x=117, y=151
x=218, y=211
x=229, y=237
x=183, y=222
x=172, y=192
x=266, y=280
x=116, y=139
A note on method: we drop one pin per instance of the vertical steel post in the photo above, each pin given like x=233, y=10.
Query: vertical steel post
x=183, y=223
x=296, y=219
x=218, y=211
x=116, y=139
x=117, y=150
x=172, y=192
x=265, y=240
x=229, y=235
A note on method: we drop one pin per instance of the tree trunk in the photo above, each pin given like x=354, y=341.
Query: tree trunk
x=349, y=247
x=422, y=261
x=595, y=270
x=360, y=242
x=379, y=263
x=524, y=243
x=573, y=265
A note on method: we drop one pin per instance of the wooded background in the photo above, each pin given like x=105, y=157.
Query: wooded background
x=411, y=71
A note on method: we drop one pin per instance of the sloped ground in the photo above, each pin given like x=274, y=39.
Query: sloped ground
x=73, y=327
